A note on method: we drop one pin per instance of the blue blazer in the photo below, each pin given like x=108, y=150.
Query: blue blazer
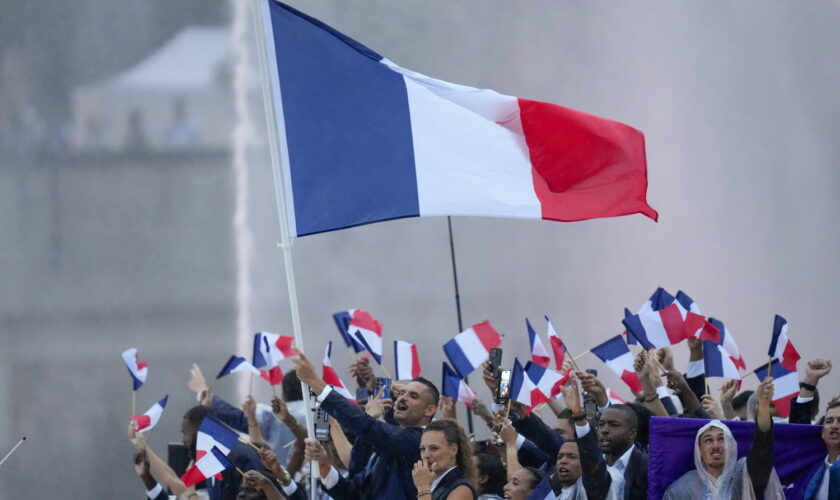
x=394, y=450
x=833, y=482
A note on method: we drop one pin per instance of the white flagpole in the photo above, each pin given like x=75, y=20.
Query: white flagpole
x=276, y=134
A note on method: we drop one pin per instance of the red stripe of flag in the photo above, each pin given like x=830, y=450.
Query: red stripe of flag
x=488, y=336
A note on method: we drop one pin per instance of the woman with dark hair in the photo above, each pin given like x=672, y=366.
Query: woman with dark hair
x=522, y=483
x=490, y=479
x=446, y=469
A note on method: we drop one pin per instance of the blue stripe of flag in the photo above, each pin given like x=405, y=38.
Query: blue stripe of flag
x=458, y=359
x=348, y=127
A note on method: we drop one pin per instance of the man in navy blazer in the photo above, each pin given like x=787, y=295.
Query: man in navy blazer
x=825, y=485
x=395, y=448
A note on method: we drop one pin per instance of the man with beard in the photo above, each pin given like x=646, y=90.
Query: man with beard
x=395, y=448
x=616, y=437
x=241, y=456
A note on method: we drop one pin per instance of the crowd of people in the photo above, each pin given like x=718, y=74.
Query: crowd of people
x=577, y=446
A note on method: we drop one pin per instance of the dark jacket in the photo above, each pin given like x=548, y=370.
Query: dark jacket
x=635, y=475
x=800, y=413
x=395, y=450
x=449, y=482
x=596, y=478
x=242, y=456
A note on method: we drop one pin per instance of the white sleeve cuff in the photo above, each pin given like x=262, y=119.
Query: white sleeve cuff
x=520, y=440
x=695, y=368
x=582, y=430
x=662, y=392
x=602, y=409
x=154, y=492
x=291, y=488
x=800, y=399
x=331, y=480
x=326, y=392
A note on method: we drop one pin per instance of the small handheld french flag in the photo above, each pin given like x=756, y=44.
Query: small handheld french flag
x=523, y=389
x=557, y=345
x=274, y=376
x=331, y=377
x=368, y=332
x=614, y=398
x=539, y=354
x=717, y=362
x=660, y=326
x=148, y=420
x=138, y=371
x=271, y=348
x=729, y=345
x=785, y=385
x=697, y=326
x=456, y=388
x=237, y=364
x=470, y=348
x=548, y=381
x=213, y=433
x=781, y=347
x=406, y=360
x=342, y=321
x=616, y=355
x=209, y=465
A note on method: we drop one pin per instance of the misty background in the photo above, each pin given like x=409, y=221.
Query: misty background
x=118, y=193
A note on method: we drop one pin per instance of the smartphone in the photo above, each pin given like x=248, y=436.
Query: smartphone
x=322, y=425
x=362, y=395
x=590, y=408
x=495, y=361
x=384, y=384
x=503, y=392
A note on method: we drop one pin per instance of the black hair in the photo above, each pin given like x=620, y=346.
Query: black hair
x=538, y=476
x=630, y=414
x=291, y=387
x=741, y=399
x=433, y=391
x=196, y=414
x=492, y=467
x=643, y=423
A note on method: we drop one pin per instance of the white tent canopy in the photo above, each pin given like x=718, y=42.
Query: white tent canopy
x=192, y=68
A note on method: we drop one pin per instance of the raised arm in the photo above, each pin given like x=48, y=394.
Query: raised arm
x=596, y=478
x=761, y=457
x=650, y=381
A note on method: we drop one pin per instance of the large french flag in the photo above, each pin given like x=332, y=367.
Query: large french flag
x=617, y=356
x=364, y=140
x=717, y=362
x=406, y=360
x=558, y=348
x=212, y=463
x=781, y=347
x=539, y=354
x=470, y=348
x=729, y=345
x=151, y=417
x=785, y=385
x=237, y=364
x=137, y=369
x=331, y=377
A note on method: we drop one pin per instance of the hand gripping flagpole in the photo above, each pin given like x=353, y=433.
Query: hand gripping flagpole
x=276, y=134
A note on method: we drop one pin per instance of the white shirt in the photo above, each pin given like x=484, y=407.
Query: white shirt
x=620, y=465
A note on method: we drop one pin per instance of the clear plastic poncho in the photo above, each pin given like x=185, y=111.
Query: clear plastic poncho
x=734, y=482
